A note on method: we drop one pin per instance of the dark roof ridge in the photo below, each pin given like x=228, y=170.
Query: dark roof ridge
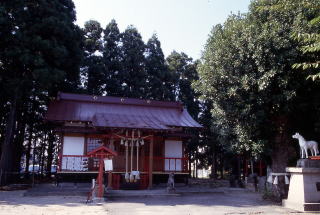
x=118, y=100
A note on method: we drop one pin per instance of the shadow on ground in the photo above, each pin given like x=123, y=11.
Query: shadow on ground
x=235, y=199
x=238, y=198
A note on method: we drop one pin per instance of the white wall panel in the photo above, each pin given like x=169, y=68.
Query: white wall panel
x=73, y=145
x=173, y=149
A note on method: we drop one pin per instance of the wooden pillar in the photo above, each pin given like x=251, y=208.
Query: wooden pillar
x=85, y=144
x=100, y=178
x=109, y=186
x=151, y=162
x=60, y=151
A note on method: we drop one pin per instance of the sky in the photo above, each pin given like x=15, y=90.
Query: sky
x=181, y=25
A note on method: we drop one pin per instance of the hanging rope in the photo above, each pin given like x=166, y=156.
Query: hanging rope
x=138, y=142
x=126, y=143
x=137, y=155
x=132, y=176
x=132, y=142
x=137, y=175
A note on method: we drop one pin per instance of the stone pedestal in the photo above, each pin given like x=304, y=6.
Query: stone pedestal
x=304, y=188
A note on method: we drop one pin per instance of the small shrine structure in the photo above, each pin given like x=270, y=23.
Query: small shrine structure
x=146, y=139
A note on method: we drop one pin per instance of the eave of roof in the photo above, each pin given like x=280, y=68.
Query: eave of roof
x=116, y=112
x=117, y=100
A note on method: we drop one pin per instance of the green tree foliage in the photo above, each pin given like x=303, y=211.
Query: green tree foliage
x=308, y=35
x=246, y=73
x=310, y=47
x=211, y=150
x=40, y=54
x=160, y=83
x=93, y=68
x=112, y=58
x=183, y=70
x=133, y=75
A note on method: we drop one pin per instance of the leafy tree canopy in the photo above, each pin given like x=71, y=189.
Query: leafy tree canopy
x=246, y=73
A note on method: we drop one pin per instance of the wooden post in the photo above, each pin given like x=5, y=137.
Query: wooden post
x=246, y=167
x=85, y=145
x=109, y=186
x=150, y=162
x=100, y=178
x=60, y=151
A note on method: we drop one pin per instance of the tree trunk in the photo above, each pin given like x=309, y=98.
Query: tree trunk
x=213, y=166
x=6, y=165
x=34, y=161
x=50, y=151
x=190, y=165
x=221, y=166
x=41, y=154
x=18, y=143
x=196, y=167
x=28, y=152
x=280, y=155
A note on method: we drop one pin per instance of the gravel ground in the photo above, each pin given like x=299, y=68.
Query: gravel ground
x=230, y=203
x=14, y=203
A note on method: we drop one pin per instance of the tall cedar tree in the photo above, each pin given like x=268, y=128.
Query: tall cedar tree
x=160, y=83
x=93, y=67
x=112, y=59
x=40, y=50
x=183, y=69
x=133, y=75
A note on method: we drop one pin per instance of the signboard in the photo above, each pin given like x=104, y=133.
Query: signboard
x=108, y=165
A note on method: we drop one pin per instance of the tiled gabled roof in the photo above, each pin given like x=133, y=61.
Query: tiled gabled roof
x=117, y=112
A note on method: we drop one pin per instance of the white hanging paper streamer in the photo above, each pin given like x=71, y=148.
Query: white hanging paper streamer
x=275, y=180
x=131, y=177
x=269, y=179
x=286, y=178
x=126, y=176
x=137, y=176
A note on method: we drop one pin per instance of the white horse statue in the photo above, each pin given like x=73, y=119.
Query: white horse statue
x=305, y=145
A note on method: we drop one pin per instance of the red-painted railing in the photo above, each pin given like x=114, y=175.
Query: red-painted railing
x=170, y=164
